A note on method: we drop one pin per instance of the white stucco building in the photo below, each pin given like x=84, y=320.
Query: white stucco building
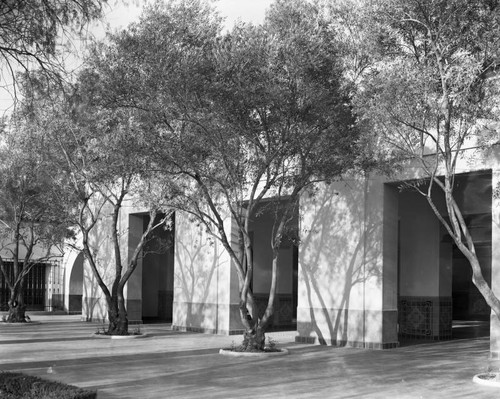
x=374, y=266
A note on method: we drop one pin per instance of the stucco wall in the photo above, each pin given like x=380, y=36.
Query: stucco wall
x=130, y=227
x=202, y=280
x=348, y=255
x=495, y=263
x=93, y=300
x=341, y=281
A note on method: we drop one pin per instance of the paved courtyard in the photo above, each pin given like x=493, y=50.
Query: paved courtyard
x=169, y=364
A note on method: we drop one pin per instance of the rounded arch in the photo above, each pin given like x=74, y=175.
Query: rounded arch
x=73, y=282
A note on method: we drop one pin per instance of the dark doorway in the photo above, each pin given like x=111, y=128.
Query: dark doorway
x=158, y=275
x=437, y=299
x=285, y=310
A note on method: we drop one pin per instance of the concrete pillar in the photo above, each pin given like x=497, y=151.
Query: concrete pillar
x=390, y=230
x=93, y=302
x=495, y=264
x=205, y=287
x=49, y=294
x=94, y=306
x=347, y=288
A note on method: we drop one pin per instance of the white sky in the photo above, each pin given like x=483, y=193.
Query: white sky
x=120, y=13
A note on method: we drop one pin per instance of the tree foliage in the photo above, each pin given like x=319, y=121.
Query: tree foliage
x=258, y=113
x=433, y=93
x=100, y=155
x=31, y=33
x=32, y=225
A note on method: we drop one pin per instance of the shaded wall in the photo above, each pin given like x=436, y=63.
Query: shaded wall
x=286, y=294
x=425, y=290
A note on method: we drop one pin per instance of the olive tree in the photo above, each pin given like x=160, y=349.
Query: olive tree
x=431, y=93
x=32, y=34
x=99, y=154
x=32, y=225
x=257, y=114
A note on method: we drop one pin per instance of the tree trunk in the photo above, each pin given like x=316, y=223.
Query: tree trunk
x=253, y=337
x=254, y=340
x=118, y=320
x=17, y=309
x=459, y=231
x=118, y=323
x=481, y=284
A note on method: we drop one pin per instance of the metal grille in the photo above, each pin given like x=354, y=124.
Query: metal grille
x=35, y=287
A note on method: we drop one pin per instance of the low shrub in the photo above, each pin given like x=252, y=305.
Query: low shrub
x=104, y=331
x=22, y=386
x=270, y=347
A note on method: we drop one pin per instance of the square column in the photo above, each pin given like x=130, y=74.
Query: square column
x=495, y=264
x=205, y=287
x=347, y=288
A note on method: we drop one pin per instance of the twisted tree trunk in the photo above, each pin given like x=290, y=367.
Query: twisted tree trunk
x=117, y=315
x=17, y=308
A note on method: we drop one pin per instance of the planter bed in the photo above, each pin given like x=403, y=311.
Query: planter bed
x=229, y=352
x=129, y=336
x=18, y=385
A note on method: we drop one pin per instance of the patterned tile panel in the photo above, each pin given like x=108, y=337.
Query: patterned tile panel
x=425, y=317
x=415, y=317
x=283, y=308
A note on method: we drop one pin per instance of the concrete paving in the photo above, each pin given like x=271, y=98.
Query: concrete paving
x=169, y=364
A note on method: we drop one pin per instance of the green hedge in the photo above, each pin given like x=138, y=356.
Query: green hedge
x=22, y=386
